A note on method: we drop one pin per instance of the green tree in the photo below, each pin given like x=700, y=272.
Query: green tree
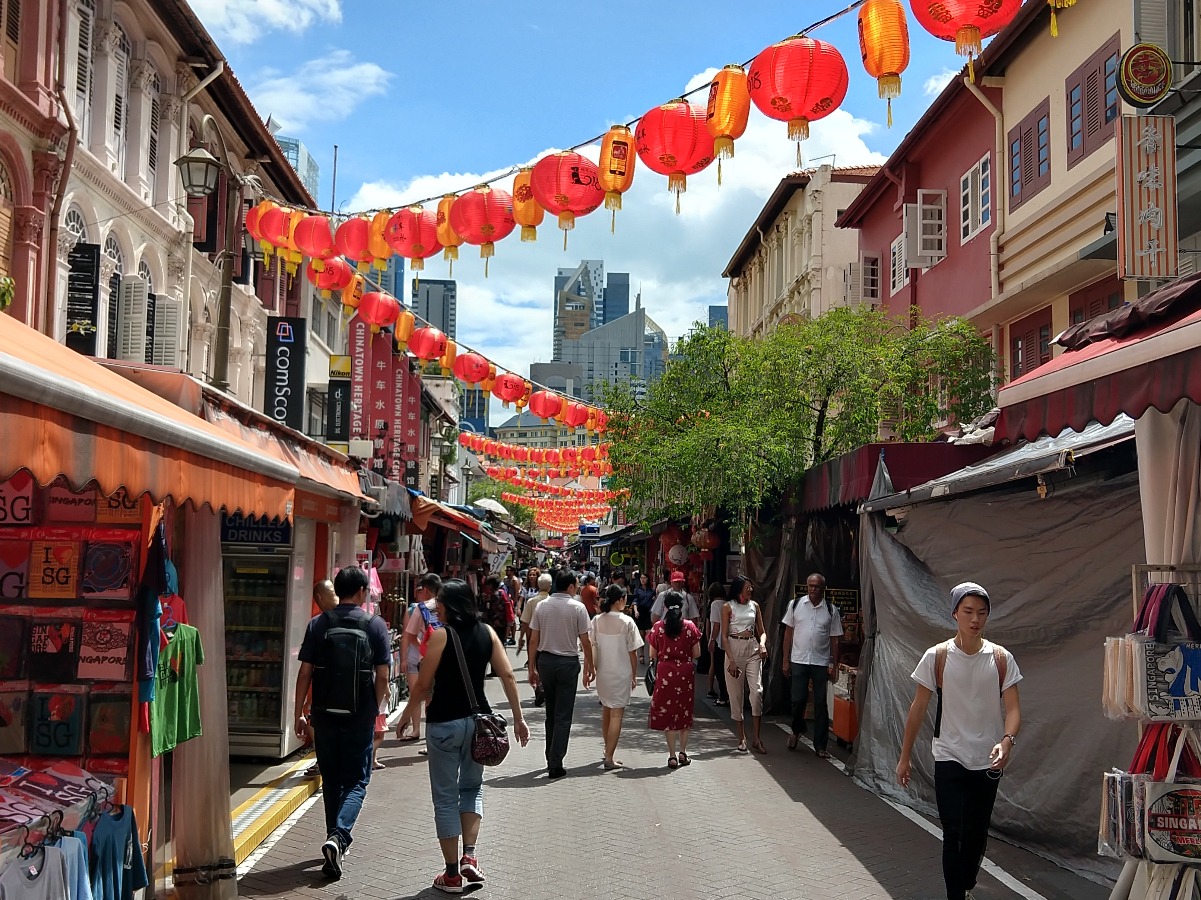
x=734, y=420
x=521, y=516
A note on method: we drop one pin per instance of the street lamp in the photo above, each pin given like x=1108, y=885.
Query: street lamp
x=200, y=172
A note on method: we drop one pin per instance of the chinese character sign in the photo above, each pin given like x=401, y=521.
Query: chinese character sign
x=400, y=373
x=380, y=396
x=1148, y=236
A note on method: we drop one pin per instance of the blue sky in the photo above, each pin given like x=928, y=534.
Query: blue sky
x=427, y=98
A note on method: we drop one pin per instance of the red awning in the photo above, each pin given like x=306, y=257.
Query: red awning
x=847, y=480
x=1150, y=369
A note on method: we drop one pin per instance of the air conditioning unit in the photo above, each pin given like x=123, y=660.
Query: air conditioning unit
x=131, y=334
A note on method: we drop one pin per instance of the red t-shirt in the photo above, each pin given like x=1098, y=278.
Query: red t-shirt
x=590, y=597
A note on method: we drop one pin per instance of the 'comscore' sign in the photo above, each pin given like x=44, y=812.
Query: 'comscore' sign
x=283, y=394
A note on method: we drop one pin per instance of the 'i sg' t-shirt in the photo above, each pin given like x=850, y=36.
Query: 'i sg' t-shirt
x=175, y=710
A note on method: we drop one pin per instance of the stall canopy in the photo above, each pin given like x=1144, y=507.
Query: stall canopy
x=428, y=512
x=847, y=479
x=1143, y=356
x=64, y=415
x=1042, y=456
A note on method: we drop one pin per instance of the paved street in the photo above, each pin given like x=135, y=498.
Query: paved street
x=785, y=825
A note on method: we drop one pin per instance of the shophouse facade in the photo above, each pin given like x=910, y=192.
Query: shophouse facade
x=991, y=206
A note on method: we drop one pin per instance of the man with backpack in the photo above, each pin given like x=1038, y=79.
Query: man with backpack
x=972, y=678
x=345, y=658
x=812, y=627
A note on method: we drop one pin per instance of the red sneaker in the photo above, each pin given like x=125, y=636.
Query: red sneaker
x=469, y=868
x=448, y=884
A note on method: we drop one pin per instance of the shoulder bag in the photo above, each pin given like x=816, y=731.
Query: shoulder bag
x=490, y=745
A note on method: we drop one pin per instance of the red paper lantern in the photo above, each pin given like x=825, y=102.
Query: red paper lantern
x=314, y=238
x=544, y=404
x=336, y=275
x=508, y=387
x=470, y=368
x=483, y=216
x=798, y=81
x=674, y=140
x=568, y=185
x=966, y=23
x=427, y=343
x=588, y=453
x=464, y=438
x=379, y=310
x=352, y=241
x=254, y=220
x=412, y=233
x=577, y=415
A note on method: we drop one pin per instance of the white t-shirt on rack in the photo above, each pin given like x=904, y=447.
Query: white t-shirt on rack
x=973, y=720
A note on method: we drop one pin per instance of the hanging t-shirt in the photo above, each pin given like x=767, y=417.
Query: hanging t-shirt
x=175, y=710
x=109, y=719
x=53, y=650
x=57, y=718
x=117, y=866
x=42, y=876
x=75, y=855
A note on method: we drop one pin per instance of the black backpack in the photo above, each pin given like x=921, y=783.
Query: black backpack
x=344, y=678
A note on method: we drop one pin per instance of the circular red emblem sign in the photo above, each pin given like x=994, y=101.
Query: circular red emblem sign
x=1144, y=75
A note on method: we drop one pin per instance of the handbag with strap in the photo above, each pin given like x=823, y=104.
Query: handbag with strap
x=649, y=678
x=490, y=744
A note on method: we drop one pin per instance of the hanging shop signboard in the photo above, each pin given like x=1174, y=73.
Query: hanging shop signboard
x=395, y=444
x=381, y=399
x=360, y=354
x=1144, y=75
x=284, y=391
x=1148, y=231
x=239, y=529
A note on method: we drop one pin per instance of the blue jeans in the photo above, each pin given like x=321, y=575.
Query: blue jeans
x=344, y=758
x=456, y=780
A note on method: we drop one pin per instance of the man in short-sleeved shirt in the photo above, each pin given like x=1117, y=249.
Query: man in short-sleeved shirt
x=812, y=627
x=692, y=612
x=343, y=743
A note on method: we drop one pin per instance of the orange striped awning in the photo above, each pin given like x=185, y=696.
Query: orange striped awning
x=62, y=415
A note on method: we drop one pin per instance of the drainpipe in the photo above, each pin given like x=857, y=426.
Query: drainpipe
x=998, y=205
x=190, y=230
x=60, y=190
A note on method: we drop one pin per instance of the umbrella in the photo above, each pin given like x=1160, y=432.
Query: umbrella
x=491, y=505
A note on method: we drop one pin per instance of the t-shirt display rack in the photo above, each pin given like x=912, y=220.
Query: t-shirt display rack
x=1154, y=823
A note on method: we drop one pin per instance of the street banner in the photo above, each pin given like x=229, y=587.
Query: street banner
x=400, y=383
x=1148, y=234
x=360, y=355
x=284, y=392
x=412, y=430
x=381, y=398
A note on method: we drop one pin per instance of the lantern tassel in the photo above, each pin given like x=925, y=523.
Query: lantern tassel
x=613, y=223
x=723, y=147
x=613, y=200
x=798, y=129
x=971, y=70
x=719, y=171
x=529, y=233
x=889, y=103
x=1054, y=22
x=417, y=265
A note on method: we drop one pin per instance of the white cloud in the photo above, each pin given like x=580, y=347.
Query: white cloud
x=331, y=87
x=935, y=83
x=675, y=261
x=245, y=21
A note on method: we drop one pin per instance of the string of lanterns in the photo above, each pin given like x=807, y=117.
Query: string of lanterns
x=500, y=450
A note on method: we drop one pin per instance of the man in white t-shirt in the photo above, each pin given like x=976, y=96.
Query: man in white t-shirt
x=973, y=740
x=812, y=628
x=692, y=610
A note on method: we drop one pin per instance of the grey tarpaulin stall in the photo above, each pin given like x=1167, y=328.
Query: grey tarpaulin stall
x=1058, y=570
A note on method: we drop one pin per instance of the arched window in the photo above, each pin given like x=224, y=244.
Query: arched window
x=75, y=224
x=121, y=59
x=113, y=251
x=84, y=66
x=156, y=112
x=144, y=274
x=6, y=221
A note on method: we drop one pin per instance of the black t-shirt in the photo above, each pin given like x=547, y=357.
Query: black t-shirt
x=381, y=655
x=449, y=701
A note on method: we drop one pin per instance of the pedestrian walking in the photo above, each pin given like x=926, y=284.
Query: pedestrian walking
x=973, y=741
x=541, y=592
x=324, y=599
x=558, y=630
x=590, y=594
x=644, y=602
x=345, y=658
x=692, y=609
x=675, y=644
x=615, y=642
x=745, y=641
x=718, y=692
x=812, y=628
x=414, y=643
x=456, y=779
x=513, y=589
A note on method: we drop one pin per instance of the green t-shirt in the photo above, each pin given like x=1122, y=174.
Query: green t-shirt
x=175, y=710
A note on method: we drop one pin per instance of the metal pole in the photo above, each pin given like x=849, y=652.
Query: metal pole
x=225, y=298
x=333, y=191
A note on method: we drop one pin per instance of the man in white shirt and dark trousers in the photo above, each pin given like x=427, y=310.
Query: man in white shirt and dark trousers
x=812, y=628
x=973, y=679
x=558, y=630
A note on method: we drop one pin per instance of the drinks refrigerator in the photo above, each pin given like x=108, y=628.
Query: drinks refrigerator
x=268, y=600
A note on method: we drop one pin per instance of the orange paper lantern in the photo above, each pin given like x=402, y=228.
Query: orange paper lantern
x=526, y=211
x=798, y=81
x=884, y=46
x=377, y=239
x=617, y=156
x=403, y=329
x=447, y=236
x=727, y=112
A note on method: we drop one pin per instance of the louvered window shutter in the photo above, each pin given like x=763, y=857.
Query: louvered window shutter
x=134, y=298
x=167, y=318
x=152, y=137
x=6, y=237
x=83, y=65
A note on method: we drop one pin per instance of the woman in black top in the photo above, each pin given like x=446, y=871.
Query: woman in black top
x=456, y=780
x=643, y=596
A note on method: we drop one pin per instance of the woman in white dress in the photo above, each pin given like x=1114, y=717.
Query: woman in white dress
x=615, y=643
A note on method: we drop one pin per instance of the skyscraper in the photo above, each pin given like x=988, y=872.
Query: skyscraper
x=435, y=301
x=719, y=315
x=576, y=301
x=392, y=279
x=304, y=164
x=616, y=301
x=474, y=416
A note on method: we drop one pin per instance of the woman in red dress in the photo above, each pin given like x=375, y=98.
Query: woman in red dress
x=675, y=644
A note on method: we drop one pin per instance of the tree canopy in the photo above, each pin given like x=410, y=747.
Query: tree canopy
x=734, y=420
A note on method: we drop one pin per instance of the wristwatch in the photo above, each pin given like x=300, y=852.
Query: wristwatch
x=1013, y=741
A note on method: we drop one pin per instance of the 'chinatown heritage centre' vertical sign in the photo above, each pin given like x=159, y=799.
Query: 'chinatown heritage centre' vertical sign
x=284, y=390
x=360, y=355
x=395, y=445
x=1148, y=236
